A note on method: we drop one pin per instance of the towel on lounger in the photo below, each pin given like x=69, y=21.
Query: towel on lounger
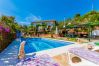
x=86, y=54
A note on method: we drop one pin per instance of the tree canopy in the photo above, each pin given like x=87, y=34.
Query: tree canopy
x=9, y=22
x=90, y=18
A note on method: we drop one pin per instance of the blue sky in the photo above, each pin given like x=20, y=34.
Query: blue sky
x=26, y=11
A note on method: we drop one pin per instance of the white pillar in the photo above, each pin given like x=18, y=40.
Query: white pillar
x=56, y=32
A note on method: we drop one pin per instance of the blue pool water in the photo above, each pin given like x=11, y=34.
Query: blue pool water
x=39, y=44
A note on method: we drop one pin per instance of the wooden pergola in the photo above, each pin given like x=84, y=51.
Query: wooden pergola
x=89, y=26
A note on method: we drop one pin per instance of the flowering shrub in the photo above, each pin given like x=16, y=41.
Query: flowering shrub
x=6, y=37
x=7, y=30
x=1, y=28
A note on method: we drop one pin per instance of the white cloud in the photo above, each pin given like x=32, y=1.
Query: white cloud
x=7, y=7
x=32, y=18
x=24, y=23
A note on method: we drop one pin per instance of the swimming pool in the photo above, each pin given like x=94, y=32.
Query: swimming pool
x=39, y=44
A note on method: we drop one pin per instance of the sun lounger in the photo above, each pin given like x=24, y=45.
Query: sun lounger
x=87, y=55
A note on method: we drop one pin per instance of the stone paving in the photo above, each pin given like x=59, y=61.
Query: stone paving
x=9, y=56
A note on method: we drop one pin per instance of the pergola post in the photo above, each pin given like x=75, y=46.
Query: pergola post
x=89, y=31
